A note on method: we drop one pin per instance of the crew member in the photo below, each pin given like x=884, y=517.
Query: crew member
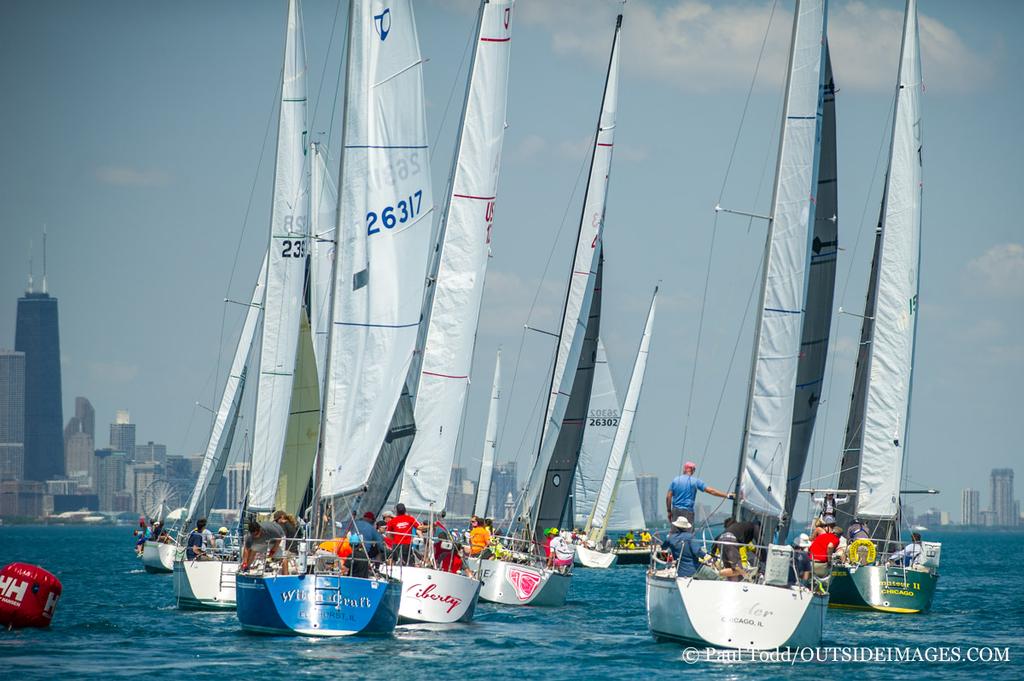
x=682, y=493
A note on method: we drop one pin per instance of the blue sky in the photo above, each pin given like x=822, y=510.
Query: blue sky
x=137, y=133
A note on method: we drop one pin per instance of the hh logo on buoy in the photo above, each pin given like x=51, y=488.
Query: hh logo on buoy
x=382, y=22
x=12, y=590
x=524, y=581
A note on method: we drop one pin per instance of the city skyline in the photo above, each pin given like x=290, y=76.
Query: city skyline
x=151, y=234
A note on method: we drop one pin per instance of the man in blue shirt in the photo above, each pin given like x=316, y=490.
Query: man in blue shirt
x=682, y=493
x=196, y=541
x=685, y=548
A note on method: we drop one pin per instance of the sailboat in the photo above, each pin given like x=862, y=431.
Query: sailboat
x=525, y=579
x=591, y=553
x=763, y=611
x=210, y=584
x=451, y=312
x=381, y=242
x=875, y=443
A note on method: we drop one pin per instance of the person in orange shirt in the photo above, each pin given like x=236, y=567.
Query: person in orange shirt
x=479, y=536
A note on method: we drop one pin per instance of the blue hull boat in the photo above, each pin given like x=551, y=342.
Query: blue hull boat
x=317, y=605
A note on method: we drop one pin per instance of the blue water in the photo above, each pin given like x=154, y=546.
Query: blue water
x=114, y=620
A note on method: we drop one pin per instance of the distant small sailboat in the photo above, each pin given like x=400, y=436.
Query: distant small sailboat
x=878, y=424
x=763, y=611
x=591, y=552
x=523, y=577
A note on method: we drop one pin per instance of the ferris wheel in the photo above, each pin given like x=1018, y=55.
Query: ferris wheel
x=159, y=497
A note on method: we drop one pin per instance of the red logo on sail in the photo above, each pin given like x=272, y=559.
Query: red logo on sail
x=524, y=581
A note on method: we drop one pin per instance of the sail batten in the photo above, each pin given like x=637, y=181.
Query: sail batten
x=286, y=273
x=440, y=374
x=764, y=460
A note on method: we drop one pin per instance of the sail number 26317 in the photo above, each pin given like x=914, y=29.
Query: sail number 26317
x=400, y=213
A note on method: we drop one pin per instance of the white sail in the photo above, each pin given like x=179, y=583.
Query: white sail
x=582, y=278
x=598, y=434
x=286, y=273
x=323, y=211
x=452, y=311
x=769, y=420
x=597, y=523
x=483, y=489
x=219, y=445
x=821, y=281
x=891, y=353
x=384, y=232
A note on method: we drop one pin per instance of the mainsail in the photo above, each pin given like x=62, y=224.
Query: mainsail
x=880, y=407
x=456, y=282
x=286, y=273
x=597, y=523
x=764, y=458
x=810, y=373
x=551, y=477
x=483, y=489
x=383, y=236
x=218, y=447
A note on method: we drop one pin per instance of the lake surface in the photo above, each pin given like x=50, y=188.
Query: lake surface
x=114, y=620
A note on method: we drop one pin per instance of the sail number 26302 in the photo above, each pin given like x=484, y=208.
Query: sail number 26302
x=400, y=213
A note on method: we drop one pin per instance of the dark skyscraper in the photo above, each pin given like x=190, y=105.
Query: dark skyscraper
x=38, y=336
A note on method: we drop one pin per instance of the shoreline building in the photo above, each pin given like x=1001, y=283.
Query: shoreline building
x=122, y=434
x=12, y=415
x=37, y=335
x=1002, y=497
x=970, y=508
x=80, y=445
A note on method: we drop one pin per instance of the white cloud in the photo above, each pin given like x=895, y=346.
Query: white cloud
x=999, y=270
x=125, y=176
x=702, y=46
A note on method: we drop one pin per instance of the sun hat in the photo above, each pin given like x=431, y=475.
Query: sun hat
x=222, y=530
x=689, y=464
x=682, y=522
x=803, y=541
x=551, y=531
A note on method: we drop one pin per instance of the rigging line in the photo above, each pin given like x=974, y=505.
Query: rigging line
x=732, y=358
x=455, y=83
x=746, y=103
x=540, y=285
x=327, y=60
x=714, y=229
x=337, y=88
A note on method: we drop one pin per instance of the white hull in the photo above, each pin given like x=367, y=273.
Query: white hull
x=205, y=584
x=594, y=559
x=515, y=584
x=733, y=614
x=158, y=557
x=436, y=596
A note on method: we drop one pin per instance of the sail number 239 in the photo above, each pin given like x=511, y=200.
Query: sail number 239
x=406, y=209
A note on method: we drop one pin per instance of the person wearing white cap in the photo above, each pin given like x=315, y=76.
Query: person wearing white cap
x=685, y=548
x=682, y=493
x=800, y=568
x=562, y=552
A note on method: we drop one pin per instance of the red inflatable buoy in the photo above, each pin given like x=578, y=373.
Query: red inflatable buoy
x=28, y=595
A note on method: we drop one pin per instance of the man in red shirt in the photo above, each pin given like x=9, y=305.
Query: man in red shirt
x=400, y=531
x=821, y=549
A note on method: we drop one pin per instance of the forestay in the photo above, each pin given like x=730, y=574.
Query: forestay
x=483, y=490
x=597, y=523
x=769, y=419
x=891, y=351
x=577, y=310
x=384, y=238
x=218, y=447
x=821, y=282
x=286, y=273
x=455, y=287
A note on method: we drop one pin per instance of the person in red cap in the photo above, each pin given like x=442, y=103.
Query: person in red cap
x=682, y=493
